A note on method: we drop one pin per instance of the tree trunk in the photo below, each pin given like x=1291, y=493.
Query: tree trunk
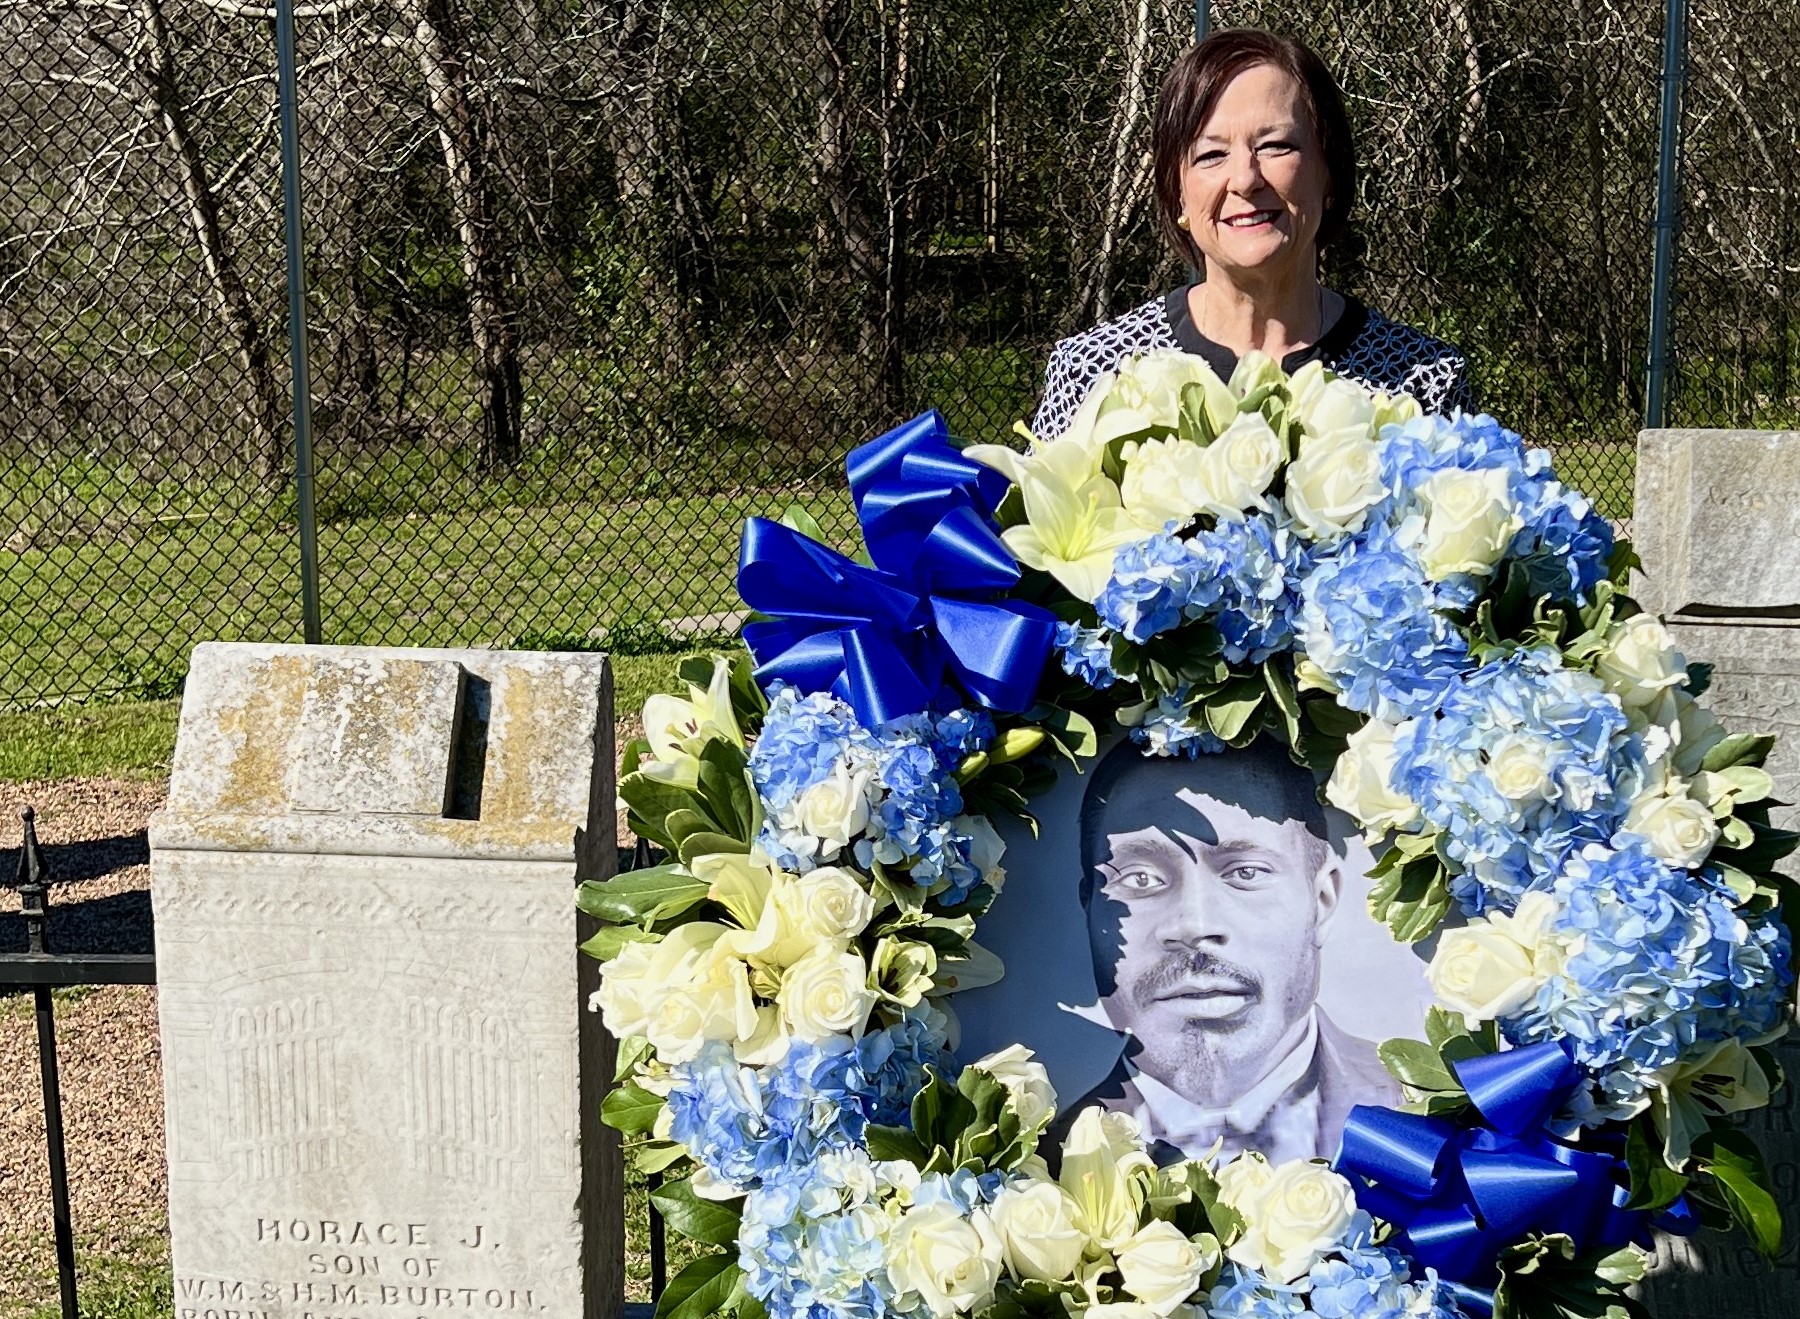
x=844, y=225
x=1125, y=174
x=263, y=406
x=442, y=61
x=896, y=196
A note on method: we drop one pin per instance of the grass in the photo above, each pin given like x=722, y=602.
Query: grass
x=137, y=740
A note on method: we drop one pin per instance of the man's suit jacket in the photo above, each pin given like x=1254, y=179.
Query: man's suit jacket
x=1346, y=1070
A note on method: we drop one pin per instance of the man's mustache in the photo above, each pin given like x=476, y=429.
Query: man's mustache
x=1177, y=969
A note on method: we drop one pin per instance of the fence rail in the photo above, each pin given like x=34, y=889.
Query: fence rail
x=586, y=283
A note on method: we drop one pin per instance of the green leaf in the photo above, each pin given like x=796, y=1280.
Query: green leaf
x=1653, y=1183
x=632, y=1050
x=1442, y=1025
x=1733, y=1161
x=641, y=896
x=1417, y=1064
x=895, y=1143
x=804, y=523
x=651, y=802
x=1073, y=733
x=710, y=1221
x=630, y=1109
x=701, y=1289
x=1739, y=749
x=1332, y=719
x=679, y=824
x=726, y=790
x=703, y=843
x=939, y=1113
x=655, y=1155
x=1230, y=710
x=1412, y=899
x=611, y=941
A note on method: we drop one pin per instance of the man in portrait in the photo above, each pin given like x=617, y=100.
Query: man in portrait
x=1209, y=887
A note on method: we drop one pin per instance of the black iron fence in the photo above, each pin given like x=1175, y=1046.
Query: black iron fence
x=586, y=283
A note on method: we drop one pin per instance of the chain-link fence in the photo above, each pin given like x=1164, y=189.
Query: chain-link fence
x=591, y=281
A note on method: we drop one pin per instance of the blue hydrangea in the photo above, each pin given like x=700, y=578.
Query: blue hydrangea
x=1663, y=967
x=1259, y=571
x=814, y=1248
x=1086, y=653
x=763, y=1127
x=1526, y=762
x=1373, y=1282
x=1156, y=584
x=1242, y=1293
x=1166, y=729
x=1564, y=546
x=915, y=815
x=1372, y=622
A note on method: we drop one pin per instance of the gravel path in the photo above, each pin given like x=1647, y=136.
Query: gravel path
x=93, y=831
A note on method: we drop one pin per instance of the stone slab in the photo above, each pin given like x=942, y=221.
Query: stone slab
x=1718, y=523
x=380, y=1081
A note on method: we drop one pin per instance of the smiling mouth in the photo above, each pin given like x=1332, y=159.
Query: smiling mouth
x=1251, y=220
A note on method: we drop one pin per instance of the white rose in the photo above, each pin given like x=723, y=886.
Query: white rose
x=1519, y=768
x=1298, y=1216
x=1148, y=393
x=826, y=993
x=1333, y=483
x=1036, y=1223
x=1361, y=781
x=835, y=810
x=1335, y=407
x=1026, y=1081
x=716, y=1004
x=1680, y=831
x=634, y=984
x=1240, y=464
x=1471, y=522
x=1102, y=1153
x=1164, y=482
x=1495, y=964
x=1161, y=1267
x=1242, y=1182
x=1119, y=1310
x=1640, y=663
x=830, y=904
x=949, y=1262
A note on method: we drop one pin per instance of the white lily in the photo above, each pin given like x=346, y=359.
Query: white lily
x=1075, y=522
x=674, y=726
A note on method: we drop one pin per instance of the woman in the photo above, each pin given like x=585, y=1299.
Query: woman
x=1255, y=174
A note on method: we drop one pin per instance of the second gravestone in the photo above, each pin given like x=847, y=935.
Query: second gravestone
x=1717, y=518
x=380, y=1080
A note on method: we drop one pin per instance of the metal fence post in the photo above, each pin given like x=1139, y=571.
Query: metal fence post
x=1668, y=203
x=1202, y=19
x=293, y=223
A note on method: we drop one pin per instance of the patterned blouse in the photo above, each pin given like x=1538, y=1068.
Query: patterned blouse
x=1362, y=344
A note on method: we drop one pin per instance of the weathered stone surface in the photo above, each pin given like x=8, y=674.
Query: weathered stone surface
x=1718, y=525
x=379, y=1079
x=1717, y=522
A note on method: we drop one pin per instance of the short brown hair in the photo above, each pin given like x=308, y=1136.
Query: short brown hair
x=1193, y=87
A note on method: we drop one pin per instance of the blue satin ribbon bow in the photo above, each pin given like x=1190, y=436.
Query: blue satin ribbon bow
x=889, y=639
x=1461, y=1195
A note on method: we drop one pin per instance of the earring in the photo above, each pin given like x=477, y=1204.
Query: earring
x=1181, y=223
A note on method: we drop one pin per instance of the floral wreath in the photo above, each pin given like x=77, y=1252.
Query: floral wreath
x=1413, y=606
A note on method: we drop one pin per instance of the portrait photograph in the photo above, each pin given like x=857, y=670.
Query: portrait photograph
x=1189, y=941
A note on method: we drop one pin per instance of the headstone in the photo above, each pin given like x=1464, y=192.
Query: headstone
x=382, y=1090
x=1718, y=528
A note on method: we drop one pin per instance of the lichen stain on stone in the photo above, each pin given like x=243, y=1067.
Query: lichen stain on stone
x=255, y=783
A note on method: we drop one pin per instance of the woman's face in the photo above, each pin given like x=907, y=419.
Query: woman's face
x=1253, y=187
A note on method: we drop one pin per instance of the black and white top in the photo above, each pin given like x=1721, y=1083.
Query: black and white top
x=1362, y=344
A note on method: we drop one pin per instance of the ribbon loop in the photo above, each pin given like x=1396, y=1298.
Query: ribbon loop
x=893, y=638
x=1461, y=1195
